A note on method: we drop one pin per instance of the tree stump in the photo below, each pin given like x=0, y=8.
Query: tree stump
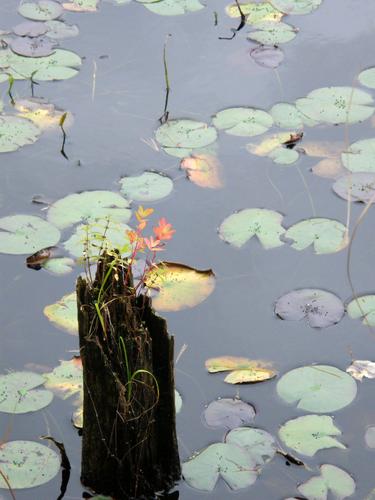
x=129, y=442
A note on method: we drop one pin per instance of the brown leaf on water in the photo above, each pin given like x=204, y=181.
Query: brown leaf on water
x=204, y=170
x=329, y=168
x=250, y=376
x=323, y=149
x=243, y=370
x=361, y=368
x=228, y=363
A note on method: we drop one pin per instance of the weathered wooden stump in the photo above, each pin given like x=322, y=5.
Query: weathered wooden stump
x=129, y=443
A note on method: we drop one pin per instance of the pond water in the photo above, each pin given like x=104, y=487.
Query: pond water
x=116, y=99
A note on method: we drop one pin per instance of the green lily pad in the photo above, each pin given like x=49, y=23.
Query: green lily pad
x=255, y=12
x=27, y=464
x=326, y=235
x=287, y=116
x=172, y=7
x=89, y=239
x=243, y=122
x=26, y=234
x=367, y=78
x=241, y=226
x=228, y=461
x=149, y=186
x=64, y=313
x=284, y=156
x=333, y=479
x=18, y=393
x=16, y=132
x=89, y=206
x=296, y=6
x=229, y=413
x=317, y=388
x=59, y=266
x=363, y=307
x=260, y=445
x=44, y=10
x=271, y=33
x=356, y=187
x=60, y=65
x=58, y=30
x=310, y=433
x=335, y=105
x=360, y=156
x=181, y=137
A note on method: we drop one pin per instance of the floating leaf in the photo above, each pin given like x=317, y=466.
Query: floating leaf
x=260, y=445
x=326, y=149
x=25, y=234
x=329, y=168
x=244, y=122
x=310, y=433
x=59, y=266
x=204, y=170
x=180, y=137
x=229, y=363
x=64, y=313
x=32, y=47
x=286, y=115
x=284, y=156
x=320, y=308
x=244, y=370
x=255, y=12
x=296, y=6
x=228, y=461
x=179, y=286
x=360, y=157
x=250, y=375
x=332, y=479
x=30, y=28
x=172, y=7
x=41, y=112
x=363, y=307
x=271, y=33
x=90, y=239
x=81, y=5
x=241, y=226
x=26, y=464
x=268, y=57
x=18, y=393
x=317, y=388
x=367, y=78
x=272, y=143
x=89, y=206
x=58, y=30
x=44, y=10
x=229, y=413
x=361, y=368
x=336, y=105
x=327, y=235
x=149, y=186
x=16, y=132
x=370, y=437
x=356, y=187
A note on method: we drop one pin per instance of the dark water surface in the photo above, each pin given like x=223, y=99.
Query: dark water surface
x=207, y=74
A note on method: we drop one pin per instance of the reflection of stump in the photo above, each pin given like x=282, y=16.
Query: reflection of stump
x=129, y=446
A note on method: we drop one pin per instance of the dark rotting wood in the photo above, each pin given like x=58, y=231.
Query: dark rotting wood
x=129, y=442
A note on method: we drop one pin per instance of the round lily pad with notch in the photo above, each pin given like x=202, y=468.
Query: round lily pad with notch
x=318, y=307
x=180, y=137
x=360, y=157
x=59, y=29
x=27, y=464
x=241, y=226
x=310, y=433
x=26, y=234
x=30, y=28
x=367, y=78
x=326, y=235
x=363, y=307
x=255, y=12
x=16, y=132
x=260, y=445
x=286, y=115
x=44, y=10
x=63, y=313
x=271, y=33
x=228, y=461
x=336, y=105
x=243, y=122
x=32, y=47
x=149, y=186
x=317, y=388
x=332, y=479
x=356, y=187
x=59, y=265
x=178, y=286
x=296, y=7
x=90, y=239
x=172, y=7
x=19, y=393
x=229, y=413
x=267, y=57
x=89, y=206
